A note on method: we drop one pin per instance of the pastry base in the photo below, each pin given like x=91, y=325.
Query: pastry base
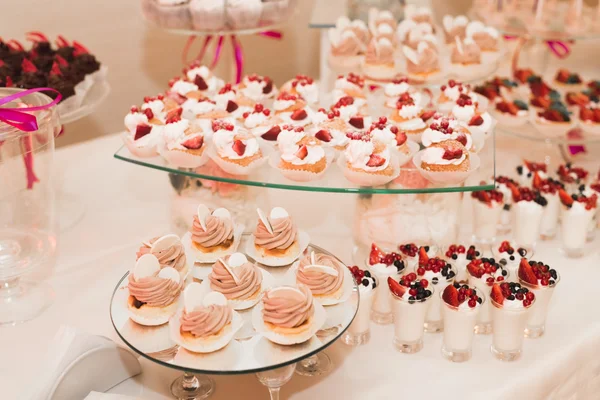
x=190, y=338
x=462, y=167
x=148, y=315
x=194, y=152
x=244, y=162
x=293, y=249
x=316, y=168
x=290, y=331
x=222, y=247
x=388, y=171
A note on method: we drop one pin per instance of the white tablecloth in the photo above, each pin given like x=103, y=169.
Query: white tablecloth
x=126, y=203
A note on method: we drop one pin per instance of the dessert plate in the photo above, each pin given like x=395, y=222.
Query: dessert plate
x=228, y=355
x=208, y=258
x=267, y=283
x=318, y=321
x=303, y=242
x=208, y=345
x=347, y=285
x=449, y=177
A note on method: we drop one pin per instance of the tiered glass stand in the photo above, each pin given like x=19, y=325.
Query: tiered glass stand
x=248, y=353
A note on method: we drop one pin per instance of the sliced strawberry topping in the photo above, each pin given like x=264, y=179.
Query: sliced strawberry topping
x=375, y=161
x=357, y=122
x=239, y=147
x=302, y=152
x=425, y=115
x=376, y=255
x=462, y=139
x=563, y=75
x=231, y=106
x=533, y=166
x=450, y=154
x=141, y=131
x=272, y=133
x=174, y=114
x=423, y=257
x=497, y=295
x=200, y=82
x=323, y=135
x=55, y=70
x=396, y=287
x=565, y=198
x=476, y=120
x=28, y=66
x=526, y=272
x=450, y=296
x=268, y=86
x=193, y=143
x=299, y=115
x=537, y=181
x=401, y=138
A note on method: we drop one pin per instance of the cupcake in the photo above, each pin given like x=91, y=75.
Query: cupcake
x=330, y=129
x=384, y=31
x=206, y=323
x=466, y=57
x=407, y=116
x=409, y=33
x=238, y=279
x=470, y=114
x=232, y=102
x=446, y=128
x=213, y=233
x=354, y=111
x=143, y=134
x=304, y=161
x=288, y=315
x=153, y=292
x=290, y=137
x=345, y=53
x=292, y=109
x=168, y=250
x=183, y=144
x=261, y=122
x=174, y=14
x=368, y=162
x=379, y=60
x=322, y=274
x=257, y=88
x=446, y=156
x=377, y=18
x=487, y=38
x=208, y=15
x=423, y=63
x=304, y=87
x=450, y=92
x=236, y=153
x=202, y=109
x=361, y=31
x=243, y=14
x=454, y=27
x=350, y=85
x=418, y=14
x=396, y=88
x=276, y=235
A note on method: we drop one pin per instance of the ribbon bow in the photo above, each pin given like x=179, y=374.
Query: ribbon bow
x=20, y=119
x=559, y=48
x=237, y=50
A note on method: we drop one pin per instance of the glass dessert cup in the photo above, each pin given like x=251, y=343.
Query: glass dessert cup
x=274, y=379
x=359, y=331
x=574, y=231
x=526, y=224
x=381, y=309
x=486, y=220
x=536, y=325
x=508, y=326
x=459, y=327
x=549, y=224
x=434, y=320
x=409, y=320
x=28, y=223
x=483, y=325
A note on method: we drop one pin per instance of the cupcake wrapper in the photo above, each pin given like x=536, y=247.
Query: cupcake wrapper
x=183, y=159
x=244, y=17
x=267, y=283
x=236, y=169
x=303, y=242
x=365, y=178
x=450, y=177
x=347, y=286
x=192, y=253
x=300, y=176
x=139, y=151
x=204, y=346
x=319, y=318
x=404, y=158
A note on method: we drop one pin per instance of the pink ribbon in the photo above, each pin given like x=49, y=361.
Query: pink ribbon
x=238, y=54
x=576, y=133
x=559, y=48
x=20, y=119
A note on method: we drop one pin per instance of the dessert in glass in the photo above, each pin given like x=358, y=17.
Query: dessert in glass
x=571, y=176
x=503, y=185
x=384, y=265
x=359, y=331
x=509, y=319
x=440, y=274
x=459, y=256
x=410, y=303
x=540, y=279
x=525, y=172
x=577, y=213
x=460, y=306
x=509, y=256
x=549, y=188
x=483, y=274
x=528, y=211
x=487, y=209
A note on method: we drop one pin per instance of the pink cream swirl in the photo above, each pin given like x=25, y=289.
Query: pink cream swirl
x=217, y=231
x=173, y=257
x=284, y=234
x=248, y=274
x=206, y=321
x=289, y=309
x=379, y=53
x=349, y=45
x=428, y=62
x=154, y=291
x=485, y=41
x=319, y=282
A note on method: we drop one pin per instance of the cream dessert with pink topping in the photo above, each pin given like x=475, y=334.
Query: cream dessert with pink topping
x=526, y=172
x=304, y=86
x=454, y=27
x=446, y=156
x=383, y=265
x=450, y=93
x=359, y=331
x=257, y=88
x=528, y=212
x=351, y=85
x=460, y=306
x=276, y=235
x=422, y=63
x=236, y=151
x=236, y=278
x=379, y=59
x=153, y=292
x=288, y=310
x=368, y=161
x=330, y=128
x=168, y=250
x=292, y=109
x=303, y=162
x=509, y=256
x=467, y=111
x=203, y=78
x=577, y=213
x=483, y=273
x=396, y=88
x=322, y=274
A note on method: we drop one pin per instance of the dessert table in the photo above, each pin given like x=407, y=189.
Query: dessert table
x=127, y=204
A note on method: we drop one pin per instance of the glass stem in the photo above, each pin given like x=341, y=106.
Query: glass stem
x=190, y=383
x=9, y=287
x=274, y=393
x=311, y=361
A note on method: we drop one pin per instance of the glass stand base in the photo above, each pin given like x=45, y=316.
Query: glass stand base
x=434, y=326
x=534, y=332
x=408, y=348
x=356, y=339
x=382, y=318
x=192, y=387
x=505, y=355
x=70, y=209
x=456, y=356
x=316, y=365
x=21, y=300
x=483, y=328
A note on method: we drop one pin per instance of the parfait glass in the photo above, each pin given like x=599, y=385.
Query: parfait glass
x=27, y=209
x=274, y=379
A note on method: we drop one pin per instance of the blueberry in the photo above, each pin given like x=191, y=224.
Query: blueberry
x=374, y=284
x=581, y=188
x=492, y=260
x=454, y=256
x=399, y=265
x=575, y=197
x=504, y=272
x=457, y=285
x=435, y=280
x=553, y=274
x=551, y=282
x=529, y=175
x=520, y=291
x=465, y=287
x=411, y=299
x=451, y=275
x=520, y=170
x=510, y=251
x=427, y=248
x=522, y=252
x=525, y=290
x=506, y=207
x=427, y=293
x=444, y=271
x=479, y=300
x=503, y=261
x=511, y=297
x=477, y=254
x=367, y=274
x=365, y=282
x=420, y=296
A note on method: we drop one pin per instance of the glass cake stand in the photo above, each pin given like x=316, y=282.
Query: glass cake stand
x=249, y=352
